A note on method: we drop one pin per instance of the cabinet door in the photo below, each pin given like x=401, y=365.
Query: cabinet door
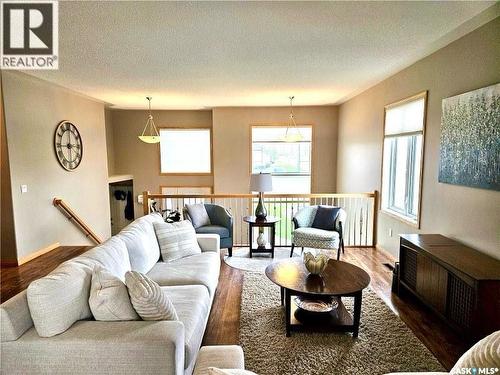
x=432, y=282
x=408, y=259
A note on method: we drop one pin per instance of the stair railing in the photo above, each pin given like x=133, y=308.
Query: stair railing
x=72, y=216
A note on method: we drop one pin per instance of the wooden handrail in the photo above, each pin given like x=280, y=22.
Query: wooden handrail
x=146, y=195
x=71, y=215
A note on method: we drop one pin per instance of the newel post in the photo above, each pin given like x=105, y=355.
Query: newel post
x=145, y=202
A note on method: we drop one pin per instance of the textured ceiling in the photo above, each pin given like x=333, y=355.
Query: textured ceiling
x=210, y=54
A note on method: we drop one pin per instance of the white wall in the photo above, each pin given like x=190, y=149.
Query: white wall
x=467, y=214
x=33, y=108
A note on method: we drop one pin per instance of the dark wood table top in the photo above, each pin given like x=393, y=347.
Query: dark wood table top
x=463, y=258
x=338, y=278
x=267, y=220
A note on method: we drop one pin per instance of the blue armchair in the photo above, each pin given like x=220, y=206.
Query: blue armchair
x=221, y=223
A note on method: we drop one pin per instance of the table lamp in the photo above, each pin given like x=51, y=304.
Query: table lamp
x=261, y=182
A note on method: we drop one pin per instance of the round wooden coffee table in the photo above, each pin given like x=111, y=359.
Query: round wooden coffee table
x=339, y=279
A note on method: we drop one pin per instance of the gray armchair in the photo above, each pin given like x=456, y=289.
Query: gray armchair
x=221, y=223
x=304, y=235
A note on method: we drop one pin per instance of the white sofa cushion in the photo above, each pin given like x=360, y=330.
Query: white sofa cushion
x=177, y=240
x=192, y=303
x=141, y=243
x=109, y=299
x=220, y=356
x=235, y=371
x=200, y=269
x=148, y=299
x=59, y=299
x=112, y=255
x=484, y=354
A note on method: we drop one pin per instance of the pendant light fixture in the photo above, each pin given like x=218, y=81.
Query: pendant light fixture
x=150, y=133
x=292, y=132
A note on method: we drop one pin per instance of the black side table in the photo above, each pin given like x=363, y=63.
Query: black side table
x=270, y=222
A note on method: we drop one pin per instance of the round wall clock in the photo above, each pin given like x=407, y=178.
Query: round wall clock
x=68, y=145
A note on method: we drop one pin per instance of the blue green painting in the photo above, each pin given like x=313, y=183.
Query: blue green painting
x=470, y=139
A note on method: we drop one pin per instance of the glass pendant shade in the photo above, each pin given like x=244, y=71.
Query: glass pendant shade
x=150, y=133
x=292, y=132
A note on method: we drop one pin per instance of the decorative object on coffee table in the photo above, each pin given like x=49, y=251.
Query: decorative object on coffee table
x=269, y=222
x=315, y=264
x=340, y=279
x=261, y=183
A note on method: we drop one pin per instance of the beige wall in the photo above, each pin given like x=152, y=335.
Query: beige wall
x=467, y=214
x=33, y=108
x=8, y=253
x=142, y=160
x=231, y=127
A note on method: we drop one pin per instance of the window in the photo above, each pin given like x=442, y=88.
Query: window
x=185, y=151
x=402, y=159
x=289, y=162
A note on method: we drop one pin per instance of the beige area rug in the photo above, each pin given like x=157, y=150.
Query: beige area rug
x=258, y=263
x=385, y=344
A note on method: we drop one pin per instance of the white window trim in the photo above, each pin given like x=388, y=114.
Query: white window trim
x=413, y=220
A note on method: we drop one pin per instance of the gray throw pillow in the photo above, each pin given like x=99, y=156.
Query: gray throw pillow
x=198, y=215
x=109, y=299
x=176, y=240
x=149, y=301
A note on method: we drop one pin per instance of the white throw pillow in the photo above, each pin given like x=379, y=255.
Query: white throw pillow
x=198, y=214
x=109, y=299
x=61, y=298
x=148, y=299
x=236, y=371
x=176, y=240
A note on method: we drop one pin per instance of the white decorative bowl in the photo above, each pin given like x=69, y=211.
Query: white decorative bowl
x=315, y=264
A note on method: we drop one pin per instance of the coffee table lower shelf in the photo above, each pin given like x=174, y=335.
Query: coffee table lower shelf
x=337, y=320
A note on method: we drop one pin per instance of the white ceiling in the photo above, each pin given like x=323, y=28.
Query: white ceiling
x=212, y=54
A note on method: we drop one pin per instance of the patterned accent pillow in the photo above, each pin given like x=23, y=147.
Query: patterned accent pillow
x=148, y=299
x=176, y=240
x=109, y=299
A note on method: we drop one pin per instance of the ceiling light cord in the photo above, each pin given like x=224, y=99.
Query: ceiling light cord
x=292, y=133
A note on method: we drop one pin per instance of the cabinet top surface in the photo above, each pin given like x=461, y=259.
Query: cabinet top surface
x=465, y=259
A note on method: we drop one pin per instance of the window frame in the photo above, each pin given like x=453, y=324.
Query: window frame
x=187, y=128
x=283, y=125
x=395, y=213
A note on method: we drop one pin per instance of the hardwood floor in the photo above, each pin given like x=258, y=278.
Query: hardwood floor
x=447, y=346
x=223, y=323
x=15, y=279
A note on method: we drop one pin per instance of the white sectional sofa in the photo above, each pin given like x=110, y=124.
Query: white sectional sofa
x=125, y=347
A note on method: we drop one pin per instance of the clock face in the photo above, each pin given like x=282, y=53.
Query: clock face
x=68, y=145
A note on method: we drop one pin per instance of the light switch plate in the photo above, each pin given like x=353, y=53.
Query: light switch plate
x=24, y=189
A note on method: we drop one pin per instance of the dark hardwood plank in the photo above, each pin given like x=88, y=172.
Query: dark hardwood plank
x=16, y=279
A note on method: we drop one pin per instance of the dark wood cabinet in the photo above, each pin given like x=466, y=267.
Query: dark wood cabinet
x=460, y=284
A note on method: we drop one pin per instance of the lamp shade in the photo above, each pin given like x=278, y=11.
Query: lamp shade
x=261, y=182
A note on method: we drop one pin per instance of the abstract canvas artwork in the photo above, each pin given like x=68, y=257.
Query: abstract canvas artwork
x=470, y=139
